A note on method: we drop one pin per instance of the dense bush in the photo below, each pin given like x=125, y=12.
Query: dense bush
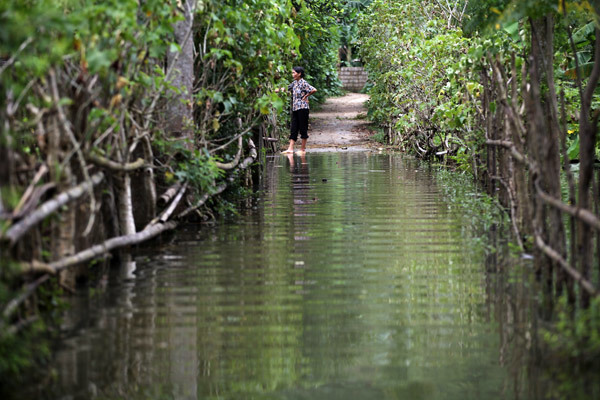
x=427, y=76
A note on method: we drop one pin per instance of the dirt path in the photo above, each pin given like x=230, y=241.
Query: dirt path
x=335, y=127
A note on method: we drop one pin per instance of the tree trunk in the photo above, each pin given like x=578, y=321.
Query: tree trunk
x=587, y=143
x=63, y=229
x=521, y=187
x=179, y=110
x=124, y=205
x=548, y=223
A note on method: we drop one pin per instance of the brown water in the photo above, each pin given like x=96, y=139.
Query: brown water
x=351, y=279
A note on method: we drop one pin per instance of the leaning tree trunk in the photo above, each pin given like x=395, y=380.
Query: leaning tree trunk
x=180, y=108
x=587, y=143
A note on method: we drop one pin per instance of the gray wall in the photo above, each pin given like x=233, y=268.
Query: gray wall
x=353, y=78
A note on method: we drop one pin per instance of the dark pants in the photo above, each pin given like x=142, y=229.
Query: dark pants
x=299, y=124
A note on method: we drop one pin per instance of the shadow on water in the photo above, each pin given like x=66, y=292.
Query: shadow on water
x=352, y=279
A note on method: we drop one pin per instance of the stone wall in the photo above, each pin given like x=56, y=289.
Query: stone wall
x=353, y=78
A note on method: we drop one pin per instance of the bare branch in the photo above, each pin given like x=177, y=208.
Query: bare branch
x=101, y=249
x=202, y=200
x=513, y=151
x=576, y=275
x=14, y=57
x=582, y=214
x=164, y=216
x=115, y=166
x=169, y=193
x=236, y=160
x=18, y=230
x=41, y=172
x=66, y=127
x=513, y=209
x=12, y=305
x=510, y=111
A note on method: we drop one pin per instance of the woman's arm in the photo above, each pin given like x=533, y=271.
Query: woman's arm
x=308, y=94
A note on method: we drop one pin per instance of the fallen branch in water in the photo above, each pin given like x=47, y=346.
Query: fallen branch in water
x=166, y=214
x=169, y=194
x=100, y=249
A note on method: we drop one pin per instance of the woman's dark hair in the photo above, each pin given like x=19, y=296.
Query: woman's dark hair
x=299, y=70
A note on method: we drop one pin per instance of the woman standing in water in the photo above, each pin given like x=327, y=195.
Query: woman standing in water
x=300, y=90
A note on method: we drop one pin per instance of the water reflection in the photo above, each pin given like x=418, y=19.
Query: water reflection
x=352, y=280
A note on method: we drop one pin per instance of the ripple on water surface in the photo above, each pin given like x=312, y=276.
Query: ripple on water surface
x=351, y=280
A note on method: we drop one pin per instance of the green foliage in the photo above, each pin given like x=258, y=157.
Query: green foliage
x=24, y=338
x=427, y=77
x=576, y=334
x=316, y=24
x=379, y=136
x=411, y=62
x=199, y=169
x=475, y=207
x=482, y=15
x=20, y=352
x=249, y=48
x=348, y=26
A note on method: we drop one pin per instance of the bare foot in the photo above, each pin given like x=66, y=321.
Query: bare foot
x=287, y=151
x=301, y=152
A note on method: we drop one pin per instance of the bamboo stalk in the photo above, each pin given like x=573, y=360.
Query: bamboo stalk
x=18, y=230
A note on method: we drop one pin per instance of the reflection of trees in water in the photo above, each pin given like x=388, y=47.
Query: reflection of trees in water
x=129, y=354
x=535, y=373
x=239, y=323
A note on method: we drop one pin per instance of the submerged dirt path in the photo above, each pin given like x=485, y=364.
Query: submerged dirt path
x=336, y=126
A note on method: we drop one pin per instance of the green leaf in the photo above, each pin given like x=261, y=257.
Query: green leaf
x=573, y=150
x=585, y=71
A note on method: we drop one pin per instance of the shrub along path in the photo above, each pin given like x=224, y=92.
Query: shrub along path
x=339, y=125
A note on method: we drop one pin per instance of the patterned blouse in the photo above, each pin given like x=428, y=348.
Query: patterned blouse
x=299, y=88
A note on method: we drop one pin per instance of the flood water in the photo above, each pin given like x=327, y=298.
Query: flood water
x=352, y=278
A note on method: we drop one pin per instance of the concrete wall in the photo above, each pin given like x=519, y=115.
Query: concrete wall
x=353, y=78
